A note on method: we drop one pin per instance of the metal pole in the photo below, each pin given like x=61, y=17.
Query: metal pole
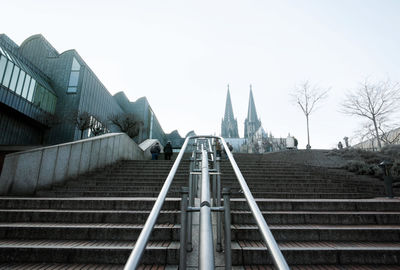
x=219, y=221
x=206, y=257
x=189, y=247
x=183, y=233
x=227, y=213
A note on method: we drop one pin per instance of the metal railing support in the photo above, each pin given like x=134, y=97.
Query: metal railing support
x=227, y=213
x=218, y=204
x=184, y=227
x=206, y=256
x=192, y=195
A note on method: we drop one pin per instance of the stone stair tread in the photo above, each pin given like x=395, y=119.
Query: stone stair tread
x=82, y=244
x=82, y=225
x=84, y=211
x=319, y=227
x=321, y=212
x=321, y=245
x=78, y=266
x=322, y=267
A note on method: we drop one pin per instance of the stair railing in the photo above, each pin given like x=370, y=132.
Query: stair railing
x=206, y=256
x=273, y=248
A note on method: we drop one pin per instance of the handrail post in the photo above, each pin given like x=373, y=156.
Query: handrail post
x=227, y=213
x=189, y=247
x=206, y=256
x=183, y=234
x=218, y=204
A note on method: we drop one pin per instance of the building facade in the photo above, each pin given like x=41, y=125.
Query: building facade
x=41, y=89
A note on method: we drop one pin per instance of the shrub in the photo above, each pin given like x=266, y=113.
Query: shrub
x=357, y=166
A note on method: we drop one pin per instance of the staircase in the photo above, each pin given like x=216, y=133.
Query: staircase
x=321, y=218
x=92, y=222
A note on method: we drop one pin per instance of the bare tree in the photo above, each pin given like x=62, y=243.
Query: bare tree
x=376, y=103
x=97, y=126
x=126, y=123
x=81, y=120
x=307, y=96
x=49, y=121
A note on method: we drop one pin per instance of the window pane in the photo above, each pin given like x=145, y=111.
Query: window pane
x=31, y=90
x=3, y=62
x=7, y=75
x=72, y=90
x=20, y=82
x=73, y=79
x=26, y=86
x=75, y=65
x=37, y=96
x=14, y=78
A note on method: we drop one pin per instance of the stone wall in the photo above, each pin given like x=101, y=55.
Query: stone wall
x=26, y=172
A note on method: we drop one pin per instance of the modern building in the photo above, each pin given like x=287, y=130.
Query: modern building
x=229, y=127
x=42, y=89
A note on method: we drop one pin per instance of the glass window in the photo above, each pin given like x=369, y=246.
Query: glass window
x=14, y=78
x=72, y=90
x=3, y=62
x=21, y=79
x=26, y=86
x=7, y=75
x=75, y=65
x=20, y=83
x=73, y=79
x=31, y=89
x=37, y=96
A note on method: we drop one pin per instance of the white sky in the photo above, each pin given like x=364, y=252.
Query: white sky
x=182, y=54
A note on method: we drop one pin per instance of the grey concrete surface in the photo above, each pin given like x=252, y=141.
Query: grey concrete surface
x=25, y=172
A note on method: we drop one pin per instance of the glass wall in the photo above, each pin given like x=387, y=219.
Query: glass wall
x=20, y=82
x=74, y=77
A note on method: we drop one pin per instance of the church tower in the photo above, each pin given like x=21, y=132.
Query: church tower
x=229, y=127
x=252, y=123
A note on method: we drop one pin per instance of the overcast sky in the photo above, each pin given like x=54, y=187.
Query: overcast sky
x=182, y=54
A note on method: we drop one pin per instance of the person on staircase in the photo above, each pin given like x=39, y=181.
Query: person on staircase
x=155, y=151
x=168, y=151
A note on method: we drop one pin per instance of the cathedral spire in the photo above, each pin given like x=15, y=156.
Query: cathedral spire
x=229, y=127
x=228, y=107
x=252, y=123
x=251, y=112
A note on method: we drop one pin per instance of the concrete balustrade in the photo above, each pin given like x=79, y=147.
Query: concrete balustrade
x=25, y=172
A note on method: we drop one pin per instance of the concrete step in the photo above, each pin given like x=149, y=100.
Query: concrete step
x=80, y=251
x=85, y=231
x=67, y=194
x=377, y=204
x=319, y=252
x=371, y=233
x=77, y=266
x=320, y=217
x=307, y=195
x=86, y=216
x=100, y=203
x=322, y=267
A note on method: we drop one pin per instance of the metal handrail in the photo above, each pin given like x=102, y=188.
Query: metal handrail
x=273, y=248
x=206, y=257
x=140, y=245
